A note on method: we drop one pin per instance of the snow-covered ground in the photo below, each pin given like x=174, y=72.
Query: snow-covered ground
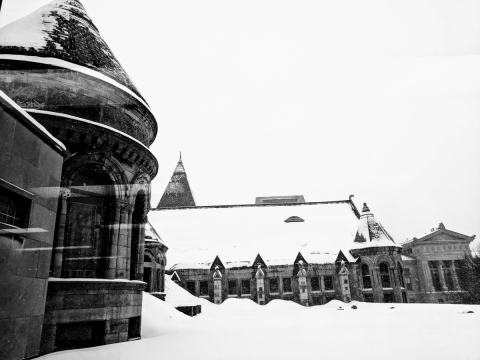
x=241, y=329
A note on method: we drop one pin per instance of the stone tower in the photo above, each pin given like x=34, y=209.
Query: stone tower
x=178, y=192
x=380, y=262
x=57, y=67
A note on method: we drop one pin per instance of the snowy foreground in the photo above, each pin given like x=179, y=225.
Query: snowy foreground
x=241, y=329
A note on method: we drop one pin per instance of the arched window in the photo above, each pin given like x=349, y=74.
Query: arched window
x=367, y=281
x=400, y=275
x=146, y=258
x=385, y=275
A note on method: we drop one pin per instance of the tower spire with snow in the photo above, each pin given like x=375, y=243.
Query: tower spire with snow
x=178, y=192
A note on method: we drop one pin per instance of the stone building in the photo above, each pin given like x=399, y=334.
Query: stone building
x=431, y=261
x=30, y=171
x=154, y=261
x=55, y=65
x=282, y=247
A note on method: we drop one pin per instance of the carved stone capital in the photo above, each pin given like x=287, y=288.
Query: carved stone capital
x=64, y=193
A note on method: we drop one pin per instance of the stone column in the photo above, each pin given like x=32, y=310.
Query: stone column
x=397, y=290
x=120, y=271
x=113, y=242
x=441, y=275
x=60, y=239
x=456, y=284
x=141, y=249
x=260, y=276
x=302, y=284
x=217, y=286
x=129, y=240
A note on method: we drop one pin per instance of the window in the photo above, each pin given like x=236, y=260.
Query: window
x=134, y=326
x=232, y=287
x=447, y=274
x=203, y=288
x=385, y=275
x=315, y=282
x=287, y=285
x=400, y=274
x=408, y=280
x=345, y=281
x=367, y=283
x=388, y=298
x=329, y=298
x=14, y=209
x=80, y=334
x=328, y=282
x=274, y=285
x=245, y=286
x=368, y=297
x=435, y=276
x=191, y=287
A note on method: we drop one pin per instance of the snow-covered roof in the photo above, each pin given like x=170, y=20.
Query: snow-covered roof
x=407, y=258
x=371, y=233
x=63, y=30
x=151, y=235
x=238, y=233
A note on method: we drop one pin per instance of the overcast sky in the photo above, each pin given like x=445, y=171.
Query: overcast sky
x=380, y=99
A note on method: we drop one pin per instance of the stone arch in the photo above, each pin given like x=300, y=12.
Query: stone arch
x=384, y=259
x=148, y=254
x=92, y=162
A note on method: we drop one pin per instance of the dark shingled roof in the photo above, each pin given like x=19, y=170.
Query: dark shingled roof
x=178, y=192
x=63, y=30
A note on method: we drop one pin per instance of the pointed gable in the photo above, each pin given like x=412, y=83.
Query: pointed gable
x=178, y=192
x=258, y=262
x=217, y=263
x=370, y=232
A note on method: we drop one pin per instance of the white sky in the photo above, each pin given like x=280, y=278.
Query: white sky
x=380, y=99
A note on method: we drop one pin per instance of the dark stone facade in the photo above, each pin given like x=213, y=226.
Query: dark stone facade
x=30, y=174
x=91, y=285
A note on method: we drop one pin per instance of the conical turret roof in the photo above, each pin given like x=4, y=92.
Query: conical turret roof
x=63, y=30
x=371, y=233
x=178, y=192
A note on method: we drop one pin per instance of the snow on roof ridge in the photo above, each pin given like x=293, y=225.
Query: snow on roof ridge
x=46, y=112
x=79, y=68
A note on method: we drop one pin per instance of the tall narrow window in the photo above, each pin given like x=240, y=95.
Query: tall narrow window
x=274, y=285
x=447, y=274
x=232, y=287
x=385, y=275
x=367, y=281
x=328, y=282
x=315, y=282
x=203, y=288
x=400, y=275
x=245, y=287
x=435, y=276
x=408, y=280
x=287, y=285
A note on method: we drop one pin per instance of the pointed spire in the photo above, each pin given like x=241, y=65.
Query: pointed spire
x=370, y=232
x=178, y=192
x=365, y=208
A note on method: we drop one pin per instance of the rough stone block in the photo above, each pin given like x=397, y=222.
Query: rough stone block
x=7, y=129
x=13, y=338
x=34, y=336
x=123, y=336
x=26, y=144
x=111, y=339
